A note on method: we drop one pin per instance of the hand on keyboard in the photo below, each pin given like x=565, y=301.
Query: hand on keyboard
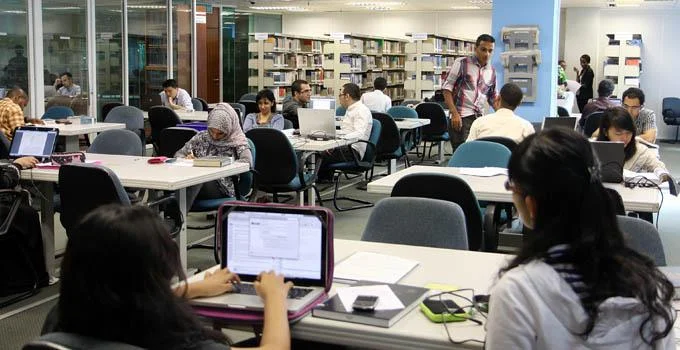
x=270, y=284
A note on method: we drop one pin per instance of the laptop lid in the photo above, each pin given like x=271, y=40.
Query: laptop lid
x=611, y=156
x=317, y=122
x=286, y=240
x=33, y=141
x=322, y=103
x=556, y=122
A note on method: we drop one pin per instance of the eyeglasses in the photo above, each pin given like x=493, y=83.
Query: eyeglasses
x=634, y=108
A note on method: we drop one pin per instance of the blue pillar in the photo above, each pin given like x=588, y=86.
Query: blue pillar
x=546, y=15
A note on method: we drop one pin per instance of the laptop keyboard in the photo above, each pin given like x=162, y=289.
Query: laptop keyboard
x=293, y=293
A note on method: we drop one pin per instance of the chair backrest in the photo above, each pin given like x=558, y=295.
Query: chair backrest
x=390, y=139
x=107, y=107
x=84, y=187
x=616, y=201
x=58, y=112
x=417, y=221
x=161, y=117
x=198, y=106
x=240, y=109
x=410, y=102
x=119, y=141
x=448, y=188
x=287, y=124
x=402, y=112
x=277, y=163
x=562, y=112
x=204, y=104
x=505, y=141
x=4, y=146
x=172, y=139
x=248, y=97
x=479, y=154
x=373, y=139
x=251, y=107
x=592, y=123
x=131, y=116
x=340, y=110
x=72, y=341
x=670, y=109
x=642, y=237
x=437, y=116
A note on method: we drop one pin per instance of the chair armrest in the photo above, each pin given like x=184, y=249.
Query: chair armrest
x=490, y=237
x=301, y=167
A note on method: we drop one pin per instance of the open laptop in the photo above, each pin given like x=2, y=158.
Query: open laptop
x=610, y=155
x=286, y=240
x=38, y=142
x=322, y=103
x=317, y=123
x=556, y=122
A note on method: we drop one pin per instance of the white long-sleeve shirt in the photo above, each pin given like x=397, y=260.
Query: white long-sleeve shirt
x=182, y=100
x=376, y=101
x=357, y=123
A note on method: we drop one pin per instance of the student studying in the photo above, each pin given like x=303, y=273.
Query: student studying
x=267, y=117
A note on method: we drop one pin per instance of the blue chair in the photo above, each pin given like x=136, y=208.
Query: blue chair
x=403, y=112
x=356, y=167
x=58, y=112
x=119, y=141
x=479, y=154
x=198, y=106
x=132, y=117
x=437, y=131
x=204, y=104
x=391, y=144
x=340, y=111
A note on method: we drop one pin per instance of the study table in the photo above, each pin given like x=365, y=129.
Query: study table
x=493, y=188
x=71, y=132
x=136, y=172
x=196, y=116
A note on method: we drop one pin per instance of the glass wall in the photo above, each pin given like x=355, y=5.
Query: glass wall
x=108, y=21
x=65, y=51
x=181, y=44
x=13, y=45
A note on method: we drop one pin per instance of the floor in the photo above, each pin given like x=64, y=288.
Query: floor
x=21, y=322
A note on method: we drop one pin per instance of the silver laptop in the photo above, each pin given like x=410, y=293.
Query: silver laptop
x=322, y=103
x=555, y=122
x=288, y=241
x=317, y=123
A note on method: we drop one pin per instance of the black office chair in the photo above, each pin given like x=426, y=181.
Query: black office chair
x=240, y=110
x=251, y=106
x=505, y=141
x=172, y=139
x=106, y=108
x=437, y=130
x=391, y=144
x=161, y=117
x=592, y=123
x=287, y=124
x=4, y=146
x=671, y=114
x=198, y=106
x=248, y=97
x=132, y=117
x=562, y=112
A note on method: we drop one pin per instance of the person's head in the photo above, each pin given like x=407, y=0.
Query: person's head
x=120, y=261
x=266, y=101
x=510, y=96
x=617, y=125
x=350, y=93
x=18, y=96
x=380, y=83
x=19, y=50
x=484, y=48
x=584, y=61
x=66, y=79
x=223, y=123
x=301, y=91
x=605, y=88
x=563, y=64
x=170, y=87
x=633, y=101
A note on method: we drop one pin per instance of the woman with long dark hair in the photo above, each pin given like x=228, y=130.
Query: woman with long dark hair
x=575, y=284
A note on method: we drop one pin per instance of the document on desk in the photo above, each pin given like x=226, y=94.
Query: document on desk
x=633, y=176
x=483, y=172
x=387, y=300
x=365, y=266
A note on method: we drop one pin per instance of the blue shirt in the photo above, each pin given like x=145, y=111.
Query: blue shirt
x=251, y=122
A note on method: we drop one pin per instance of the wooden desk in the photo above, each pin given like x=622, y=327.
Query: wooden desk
x=196, y=116
x=493, y=188
x=72, y=132
x=132, y=172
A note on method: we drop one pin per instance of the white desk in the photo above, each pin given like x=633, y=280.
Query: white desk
x=408, y=124
x=71, y=132
x=493, y=188
x=132, y=172
x=197, y=116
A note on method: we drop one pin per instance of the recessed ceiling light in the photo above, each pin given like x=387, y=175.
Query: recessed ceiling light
x=16, y=12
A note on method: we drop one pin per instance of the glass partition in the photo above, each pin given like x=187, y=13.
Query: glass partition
x=13, y=45
x=108, y=23
x=181, y=45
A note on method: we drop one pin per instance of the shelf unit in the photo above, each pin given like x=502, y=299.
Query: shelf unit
x=430, y=57
x=623, y=63
x=280, y=59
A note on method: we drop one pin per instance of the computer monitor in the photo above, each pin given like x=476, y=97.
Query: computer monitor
x=322, y=103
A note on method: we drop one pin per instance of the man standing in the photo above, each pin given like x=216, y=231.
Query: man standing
x=174, y=97
x=504, y=122
x=469, y=81
x=12, y=112
x=376, y=100
x=645, y=119
x=301, y=93
x=68, y=88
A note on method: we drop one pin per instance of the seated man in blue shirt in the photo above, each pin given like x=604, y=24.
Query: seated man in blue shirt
x=175, y=97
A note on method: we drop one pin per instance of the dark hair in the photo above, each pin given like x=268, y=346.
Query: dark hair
x=558, y=169
x=115, y=282
x=484, y=37
x=634, y=93
x=560, y=61
x=297, y=86
x=380, y=83
x=170, y=83
x=352, y=90
x=68, y=74
x=605, y=88
x=586, y=58
x=266, y=94
x=511, y=96
x=618, y=117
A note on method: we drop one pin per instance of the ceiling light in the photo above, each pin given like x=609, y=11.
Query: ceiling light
x=464, y=7
x=16, y=12
x=147, y=7
x=376, y=4
x=62, y=8
x=481, y=2
x=279, y=8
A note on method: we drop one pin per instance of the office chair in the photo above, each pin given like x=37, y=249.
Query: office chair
x=118, y=141
x=562, y=112
x=391, y=144
x=340, y=111
x=505, y=141
x=198, y=106
x=403, y=112
x=248, y=97
x=422, y=222
x=671, y=114
x=642, y=237
x=241, y=110
x=251, y=107
x=479, y=154
x=287, y=124
x=106, y=108
x=58, y=112
x=172, y=139
x=437, y=131
x=4, y=146
x=592, y=123
x=70, y=341
x=132, y=117
x=204, y=104
x=161, y=117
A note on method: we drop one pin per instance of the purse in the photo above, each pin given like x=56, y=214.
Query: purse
x=67, y=158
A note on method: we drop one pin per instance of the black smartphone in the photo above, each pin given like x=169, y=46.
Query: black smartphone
x=365, y=303
x=439, y=307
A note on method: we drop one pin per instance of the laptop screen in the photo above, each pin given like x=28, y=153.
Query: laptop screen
x=36, y=142
x=284, y=240
x=322, y=103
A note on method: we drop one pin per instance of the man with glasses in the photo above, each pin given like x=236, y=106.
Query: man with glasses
x=301, y=94
x=645, y=119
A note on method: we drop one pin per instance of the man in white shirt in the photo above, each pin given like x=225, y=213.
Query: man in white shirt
x=174, y=97
x=376, y=100
x=68, y=88
x=504, y=122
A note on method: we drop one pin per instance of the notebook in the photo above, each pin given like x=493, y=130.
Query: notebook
x=38, y=142
x=286, y=240
x=317, y=123
x=610, y=155
x=556, y=122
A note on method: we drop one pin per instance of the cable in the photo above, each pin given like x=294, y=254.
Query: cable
x=641, y=181
x=472, y=305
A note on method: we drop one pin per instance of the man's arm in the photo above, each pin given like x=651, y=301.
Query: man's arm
x=447, y=89
x=491, y=94
x=649, y=135
x=184, y=100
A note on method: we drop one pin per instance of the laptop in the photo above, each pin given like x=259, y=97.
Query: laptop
x=286, y=240
x=557, y=122
x=322, y=103
x=610, y=156
x=38, y=142
x=317, y=123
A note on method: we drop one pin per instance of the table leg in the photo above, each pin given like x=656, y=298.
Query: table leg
x=182, y=201
x=392, y=167
x=440, y=149
x=72, y=143
x=47, y=223
x=310, y=192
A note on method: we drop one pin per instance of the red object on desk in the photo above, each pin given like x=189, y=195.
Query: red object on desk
x=157, y=160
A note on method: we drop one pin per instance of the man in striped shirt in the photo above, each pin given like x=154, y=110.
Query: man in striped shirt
x=469, y=81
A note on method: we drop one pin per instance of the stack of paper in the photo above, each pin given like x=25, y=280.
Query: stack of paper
x=365, y=266
x=483, y=172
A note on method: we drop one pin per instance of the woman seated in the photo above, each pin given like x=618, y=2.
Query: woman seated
x=224, y=138
x=618, y=125
x=267, y=118
x=116, y=280
x=574, y=284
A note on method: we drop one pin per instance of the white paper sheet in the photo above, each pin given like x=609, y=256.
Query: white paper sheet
x=183, y=162
x=483, y=172
x=365, y=266
x=387, y=300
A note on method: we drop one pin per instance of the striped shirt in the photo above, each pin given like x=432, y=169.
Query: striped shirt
x=470, y=84
x=11, y=116
x=645, y=121
x=558, y=260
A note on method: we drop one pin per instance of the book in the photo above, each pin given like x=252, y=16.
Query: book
x=335, y=309
x=213, y=161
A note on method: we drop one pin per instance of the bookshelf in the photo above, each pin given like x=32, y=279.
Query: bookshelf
x=623, y=63
x=430, y=55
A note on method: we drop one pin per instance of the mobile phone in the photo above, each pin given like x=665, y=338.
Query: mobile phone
x=444, y=310
x=365, y=302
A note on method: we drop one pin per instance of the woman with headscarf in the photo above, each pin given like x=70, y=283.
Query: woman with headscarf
x=224, y=138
